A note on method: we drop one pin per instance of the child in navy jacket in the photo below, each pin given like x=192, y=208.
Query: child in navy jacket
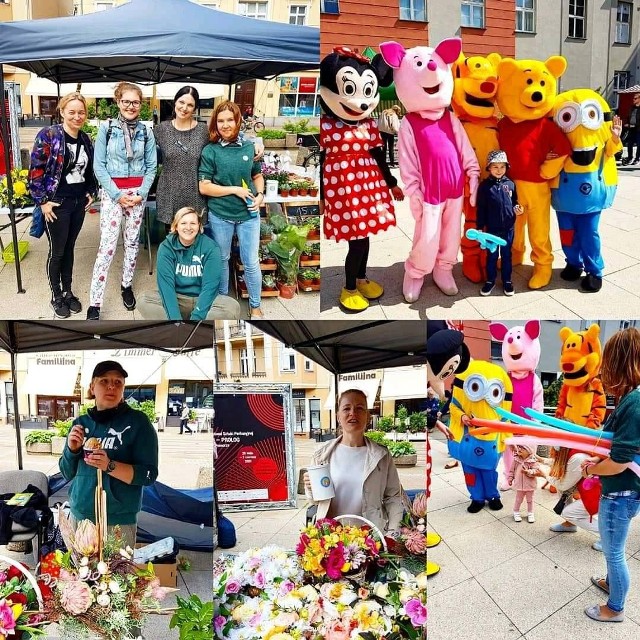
x=497, y=209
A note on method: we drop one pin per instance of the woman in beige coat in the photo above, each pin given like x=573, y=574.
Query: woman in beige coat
x=364, y=476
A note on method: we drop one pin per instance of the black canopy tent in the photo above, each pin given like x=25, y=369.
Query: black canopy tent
x=24, y=336
x=152, y=41
x=347, y=346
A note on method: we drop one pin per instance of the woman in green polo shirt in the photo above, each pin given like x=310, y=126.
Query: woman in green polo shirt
x=234, y=187
x=620, y=500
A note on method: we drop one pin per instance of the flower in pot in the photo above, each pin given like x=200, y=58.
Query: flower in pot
x=269, y=282
x=287, y=246
x=305, y=277
x=21, y=196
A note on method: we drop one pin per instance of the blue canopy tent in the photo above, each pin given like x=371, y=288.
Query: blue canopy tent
x=152, y=41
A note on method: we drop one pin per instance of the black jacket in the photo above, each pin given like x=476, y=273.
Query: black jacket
x=496, y=200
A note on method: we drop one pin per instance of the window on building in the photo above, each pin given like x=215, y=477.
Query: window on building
x=621, y=80
x=244, y=363
x=329, y=6
x=623, y=23
x=299, y=96
x=141, y=393
x=415, y=10
x=308, y=364
x=577, y=19
x=300, y=410
x=496, y=350
x=287, y=359
x=103, y=6
x=298, y=14
x=525, y=16
x=472, y=13
x=253, y=10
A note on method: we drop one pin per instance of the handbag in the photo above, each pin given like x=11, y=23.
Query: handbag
x=37, y=222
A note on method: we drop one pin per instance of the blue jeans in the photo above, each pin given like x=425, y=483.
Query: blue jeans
x=248, y=233
x=505, y=254
x=614, y=517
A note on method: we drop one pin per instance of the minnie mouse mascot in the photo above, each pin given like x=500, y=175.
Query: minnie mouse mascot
x=357, y=183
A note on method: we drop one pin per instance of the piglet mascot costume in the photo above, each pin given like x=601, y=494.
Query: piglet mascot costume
x=435, y=158
x=520, y=354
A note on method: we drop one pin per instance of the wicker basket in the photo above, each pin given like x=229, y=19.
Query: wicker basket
x=28, y=575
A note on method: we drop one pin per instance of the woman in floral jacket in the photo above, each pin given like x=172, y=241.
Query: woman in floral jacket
x=62, y=185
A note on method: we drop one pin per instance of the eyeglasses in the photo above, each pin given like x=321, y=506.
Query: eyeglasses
x=130, y=103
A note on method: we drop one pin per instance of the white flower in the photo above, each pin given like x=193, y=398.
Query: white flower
x=83, y=572
x=102, y=568
x=103, y=600
x=381, y=589
x=114, y=587
x=84, y=561
x=103, y=586
x=125, y=554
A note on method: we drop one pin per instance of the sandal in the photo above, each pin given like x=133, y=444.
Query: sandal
x=256, y=316
x=451, y=465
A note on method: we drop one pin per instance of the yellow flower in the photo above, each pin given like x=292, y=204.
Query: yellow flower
x=24, y=173
x=19, y=188
x=276, y=634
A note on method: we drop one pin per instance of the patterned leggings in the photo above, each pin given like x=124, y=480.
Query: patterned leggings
x=111, y=214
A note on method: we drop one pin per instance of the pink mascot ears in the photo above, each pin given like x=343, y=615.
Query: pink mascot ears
x=392, y=53
x=449, y=50
x=498, y=330
x=532, y=328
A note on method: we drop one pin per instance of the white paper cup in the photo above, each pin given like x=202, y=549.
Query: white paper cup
x=321, y=484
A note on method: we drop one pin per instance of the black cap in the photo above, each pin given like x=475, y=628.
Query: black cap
x=106, y=366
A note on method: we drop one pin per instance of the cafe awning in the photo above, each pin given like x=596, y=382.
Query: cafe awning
x=405, y=383
x=368, y=386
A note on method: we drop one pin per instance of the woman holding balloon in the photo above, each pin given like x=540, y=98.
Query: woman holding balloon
x=620, y=501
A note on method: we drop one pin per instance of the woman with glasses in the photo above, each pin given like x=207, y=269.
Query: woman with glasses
x=125, y=165
x=181, y=141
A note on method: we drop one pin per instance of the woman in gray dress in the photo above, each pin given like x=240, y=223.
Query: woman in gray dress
x=181, y=141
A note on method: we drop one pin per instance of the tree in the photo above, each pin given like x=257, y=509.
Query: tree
x=552, y=392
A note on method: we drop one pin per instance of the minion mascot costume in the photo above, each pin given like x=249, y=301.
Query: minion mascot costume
x=526, y=95
x=583, y=402
x=447, y=354
x=475, y=83
x=587, y=183
x=476, y=393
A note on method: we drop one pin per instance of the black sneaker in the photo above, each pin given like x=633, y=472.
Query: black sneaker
x=571, y=273
x=508, y=289
x=75, y=306
x=60, y=308
x=591, y=283
x=93, y=313
x=487, y=288
x=128, y=299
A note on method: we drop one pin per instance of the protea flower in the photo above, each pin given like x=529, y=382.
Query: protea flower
x=416, y=543
x=419, y=506
x=86, y=538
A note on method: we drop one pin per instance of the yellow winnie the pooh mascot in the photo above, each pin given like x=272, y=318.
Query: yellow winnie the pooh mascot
x=475, y=82
x=526, y=95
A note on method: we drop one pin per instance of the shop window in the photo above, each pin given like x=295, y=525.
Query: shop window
x=299, y=96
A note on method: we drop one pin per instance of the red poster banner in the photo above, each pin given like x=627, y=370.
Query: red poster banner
x=307, y=85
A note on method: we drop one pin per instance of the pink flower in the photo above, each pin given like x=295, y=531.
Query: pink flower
x=302, y=545
x=259, y=579
x=419, y=506
x=7, y=620
x=337, y=631
x=76, y=597
x=3, y=577
x=416, y=611
x=372, y=544
x=86, y=538
x=335, y=561
x=218, y=623
x=233, y=586
x=286, y=587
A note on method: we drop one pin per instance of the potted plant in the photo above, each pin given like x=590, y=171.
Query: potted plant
x=313, y=190
x=403, y=454
x=266, y=231
x=265, y=256
x=303, y=187
x=21, y=196
x=294, y=188
x=269, y=282
x=62, y=428
x=39, y=441
x=305, y=256
x=305, y=278
x=314, y=223
x=315, y=251
x=316, y=276
x=284, y=189
x=287, y=246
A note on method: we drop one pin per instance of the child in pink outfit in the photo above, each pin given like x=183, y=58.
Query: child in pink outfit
x=522, y=478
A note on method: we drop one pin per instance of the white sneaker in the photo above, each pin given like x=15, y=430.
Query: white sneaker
x=531, y=518
x=517, y=517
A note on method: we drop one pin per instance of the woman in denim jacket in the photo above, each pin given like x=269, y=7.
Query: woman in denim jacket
x=125, y=165
x=62, y=184
x=620, y=500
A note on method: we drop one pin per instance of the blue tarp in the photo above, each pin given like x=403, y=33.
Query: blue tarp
x=149, y=41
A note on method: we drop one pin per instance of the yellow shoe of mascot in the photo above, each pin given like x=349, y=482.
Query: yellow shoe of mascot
x=475, y=83
x=476, y=393
x=527, y=91
x=587, y=183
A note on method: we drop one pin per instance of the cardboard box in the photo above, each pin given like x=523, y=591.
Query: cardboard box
x=166, y=573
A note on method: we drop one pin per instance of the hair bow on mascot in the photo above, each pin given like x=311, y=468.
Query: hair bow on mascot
x=435, y=159
x=526, y=95
x=583, y=402
x=475, y=83
x=476, y=393
x=520, y=354
x=357, y=184
x=587, y=183
x=447, y=354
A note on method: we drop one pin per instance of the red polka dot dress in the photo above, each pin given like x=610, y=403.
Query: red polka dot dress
x=357, y=201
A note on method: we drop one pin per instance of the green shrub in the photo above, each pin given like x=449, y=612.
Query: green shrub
x=39, y=436
x=385, y=424
x=63, y=427
x=272, y=134
x=377, y=436
x=401, y=448
x=551, y=393
x=300, y=126
x=417, y=423
x=148, y=407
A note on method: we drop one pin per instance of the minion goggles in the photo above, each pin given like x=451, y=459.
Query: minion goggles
x=477, y=388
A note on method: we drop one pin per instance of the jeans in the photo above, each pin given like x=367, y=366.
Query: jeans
x=614, y=517
x=150, y=307
x=248, y=233
x=505, y=254
x=62, y=234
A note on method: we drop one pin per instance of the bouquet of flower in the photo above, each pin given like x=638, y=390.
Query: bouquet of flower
x=330, y=549
x=21, y=196
x=283, y=608
x=96, y=589
x=19, y=617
